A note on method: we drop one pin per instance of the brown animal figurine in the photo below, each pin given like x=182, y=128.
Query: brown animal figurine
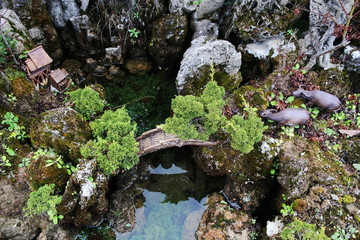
x=319, y=98
x=288, y=116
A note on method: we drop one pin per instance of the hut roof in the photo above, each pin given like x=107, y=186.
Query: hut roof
x=38, y=58
x=58, y=75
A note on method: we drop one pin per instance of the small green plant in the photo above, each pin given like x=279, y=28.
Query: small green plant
x=287, y=210
x=8, y=150
x=43, y=201
x=302, y=230
x=11, y=120
x=114, y=146
x=11, y=98
x=275, y=168
x=357, y=166
x=314, y=112
x=345, y=234
x=134, y=33
x=87, y=101
x=91, y=179
x=4, y=51
x=288, y=131
x=25, y=162
x=60, y=164
x=5, y=162
x=23, y=55
x=197, y=3
x=136, y=15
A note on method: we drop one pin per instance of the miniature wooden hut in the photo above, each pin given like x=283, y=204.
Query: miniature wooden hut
x=58, y=79
x=38, y=65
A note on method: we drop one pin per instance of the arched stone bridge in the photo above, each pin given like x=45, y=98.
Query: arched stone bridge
x=156, y=139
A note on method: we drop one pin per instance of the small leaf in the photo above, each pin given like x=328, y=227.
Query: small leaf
x=55, y=220
x=357, y=166
x=60, y=216
x=290, y=99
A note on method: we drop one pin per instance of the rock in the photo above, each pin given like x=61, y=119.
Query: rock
x=220, y=221
x=335, y=82
x=261, y=48
x=167, y=39
x=275, y=227
x=205, y=28
x=353, y=59
x=251, y=19
x=13, y=225
x=114, y=52
x=62, y=129
x=51, y=231
x=13, y=28
x=138, y=66
x=84, y=201
x=179, y=5
x=90, y=65
x=300, y=166
x=207, y=8
x=195, y=66
x=38, y=174
x=36, y=34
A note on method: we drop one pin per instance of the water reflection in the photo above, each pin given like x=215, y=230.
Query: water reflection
x=164, y=198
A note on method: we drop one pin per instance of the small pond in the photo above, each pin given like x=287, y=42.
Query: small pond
x=164, y=198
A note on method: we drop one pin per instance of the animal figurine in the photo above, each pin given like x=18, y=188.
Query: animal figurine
x=319, y=98
x=288, y=116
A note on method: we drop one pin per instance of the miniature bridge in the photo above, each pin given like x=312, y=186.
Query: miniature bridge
x=156, y=139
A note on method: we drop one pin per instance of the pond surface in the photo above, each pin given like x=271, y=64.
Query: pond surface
x=163, y=199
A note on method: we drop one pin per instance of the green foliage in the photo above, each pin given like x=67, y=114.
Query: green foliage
x=12, y=121
x=25, y=162
x=3, y=48
x=302, y=230
x=134, y=33
x=350, y=117
x=114, y=146
x=87, y=101
x=287, y=209
x=199, y=117
x=43, y=201
x=345, y=234
x=58, y=161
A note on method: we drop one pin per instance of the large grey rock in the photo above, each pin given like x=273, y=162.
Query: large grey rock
x=179, y=5
x=14, y=29
x=353, y=59
x=207, y=8
x=200, y=56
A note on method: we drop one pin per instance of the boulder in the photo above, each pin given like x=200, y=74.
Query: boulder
x=13, y=28
x=62, y=129
x=84, y=201
x=195, y=67
x=207, y=9
x=205, y=28
x=168, y=36
x=221, y=221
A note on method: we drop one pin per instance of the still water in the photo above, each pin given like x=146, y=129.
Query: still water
x=163, y=199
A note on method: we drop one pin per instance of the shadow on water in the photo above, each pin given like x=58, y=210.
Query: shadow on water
x=163, y=198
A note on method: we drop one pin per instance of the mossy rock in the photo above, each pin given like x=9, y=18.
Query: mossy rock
x=222, y=159
x=62, y=129
x=255, y=97
x=20, y=86
x=301, y=163
x=195, y=85
x=335, y=82
x=39, y=174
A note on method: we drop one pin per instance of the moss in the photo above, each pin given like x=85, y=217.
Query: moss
x=347, y=199
x=256, y=97
x=334, y=81
x=20, y=86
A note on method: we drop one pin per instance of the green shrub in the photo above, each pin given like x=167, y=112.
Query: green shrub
x=3, y=48
x=42, y=201
x=87, y=101
x=114, y=146
x=302, y=230
x=200, y=117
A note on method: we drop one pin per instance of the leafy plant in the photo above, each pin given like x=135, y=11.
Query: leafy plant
x=287, y=210
x=114, y=146
x=199, y=117
x=302, y=230
x=10, y=120
x=43, y=201
x=5, y=162
x=3, y=48
x=345, y=234
x=25, y=162
x=60, y=164
x=134, y=32
x=87, y=101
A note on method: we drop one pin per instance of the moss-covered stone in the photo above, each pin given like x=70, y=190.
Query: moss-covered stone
x=40, y=174
x=335, y=82
x=255, y=97
x=62, y=129
x=20, y=86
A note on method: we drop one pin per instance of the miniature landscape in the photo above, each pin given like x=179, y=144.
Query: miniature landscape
x=180, y=119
